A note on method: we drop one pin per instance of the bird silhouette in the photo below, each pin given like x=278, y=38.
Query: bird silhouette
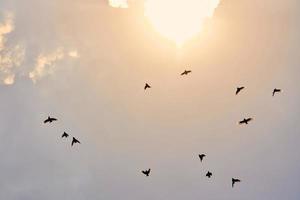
x=208, y=174
x=146, y=172
x=238, y=89
x=245, y=121
x=235, y=181
x=74, y=141
x=50, y=120
x=275, y=91
x=201, y=156
x=147, y=86
x=186, y=72
x=65, y=135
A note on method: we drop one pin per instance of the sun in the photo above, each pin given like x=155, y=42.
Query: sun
x=179, y=20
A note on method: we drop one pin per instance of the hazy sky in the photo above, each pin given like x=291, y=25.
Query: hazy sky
x=86, y=63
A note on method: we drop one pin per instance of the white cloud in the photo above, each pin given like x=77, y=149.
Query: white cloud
x=118, y=3
x=5, y=28
x=10, y=57
x=73, y=54
x=45, y=64
x=9, y=80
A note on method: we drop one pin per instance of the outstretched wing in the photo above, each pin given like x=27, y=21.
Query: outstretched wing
x=238, y=90
x=65, y=135
x=249, y=119
x=147, y=86
x=235, y=181
x=201, y=156
x=74, y=141
x=186, y=72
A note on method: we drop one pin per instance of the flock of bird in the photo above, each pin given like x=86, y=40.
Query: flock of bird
x=64, y=135
x=201, y=156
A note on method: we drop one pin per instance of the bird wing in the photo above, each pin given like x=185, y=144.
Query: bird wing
x=74, y=141
x=249, y=119
x=65, y=134
x=77, y=141
x=47, y=120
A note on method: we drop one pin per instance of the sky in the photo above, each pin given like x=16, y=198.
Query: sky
x=86, y=62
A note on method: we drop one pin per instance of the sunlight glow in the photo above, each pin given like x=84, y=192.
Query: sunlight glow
x=179, y=20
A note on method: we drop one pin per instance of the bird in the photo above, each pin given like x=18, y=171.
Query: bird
x=50, y=120
x=146, y=172
x=65, y=135
x=235, y=181
x=245, y=121
x=238, y=89
x=147, y=86
x=186, y=72
x=275, y=91
x=208, y=174
x=74, y=141
x=201, y=156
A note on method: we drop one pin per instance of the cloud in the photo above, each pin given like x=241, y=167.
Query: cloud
x=73, y=54
x=45, y=64
x=5, y=28
x=10, y=57
x=118, y=3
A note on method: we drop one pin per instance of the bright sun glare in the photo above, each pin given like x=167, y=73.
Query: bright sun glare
x=179, y=20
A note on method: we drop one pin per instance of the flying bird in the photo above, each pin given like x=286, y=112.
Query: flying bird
x=74, y=141
x=65, y=135
x=238, y=89
x=201, y=156
x=50, y=120
x=147, y=86
x=275, y=91
x=186, y=72
x=146, y=172
x=208, y=174
x=235, y=181
x=245, y=121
